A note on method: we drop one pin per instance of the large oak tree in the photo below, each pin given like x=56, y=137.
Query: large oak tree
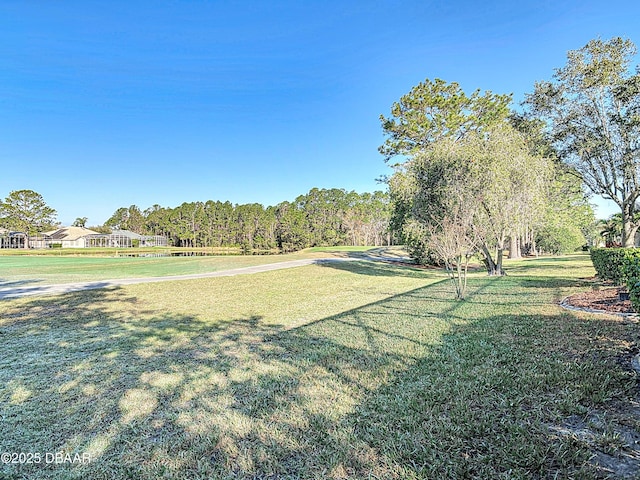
x=592, y=108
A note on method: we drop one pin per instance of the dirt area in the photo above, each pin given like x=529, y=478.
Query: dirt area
x=601, y=298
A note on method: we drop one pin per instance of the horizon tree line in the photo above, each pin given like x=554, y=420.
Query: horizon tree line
x=322, y=217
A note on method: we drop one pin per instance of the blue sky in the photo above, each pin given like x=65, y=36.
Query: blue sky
x=110, y=103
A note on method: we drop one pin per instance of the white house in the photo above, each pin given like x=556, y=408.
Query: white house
x=69, y=237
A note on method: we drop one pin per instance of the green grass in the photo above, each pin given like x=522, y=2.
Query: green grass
x=115, y=251
x=343, y=248
x=354, y=370
x=38, y=270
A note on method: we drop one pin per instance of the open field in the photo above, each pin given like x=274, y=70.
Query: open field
x=39, y=270
x=116, y=251
x=350, y=370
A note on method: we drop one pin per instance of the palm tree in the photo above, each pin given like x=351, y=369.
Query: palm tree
x=611, y=230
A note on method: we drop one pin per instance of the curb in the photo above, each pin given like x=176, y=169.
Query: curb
x=563, y=303
x=635, y=363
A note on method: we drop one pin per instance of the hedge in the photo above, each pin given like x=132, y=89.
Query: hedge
x=631, y=271
x=609, y=263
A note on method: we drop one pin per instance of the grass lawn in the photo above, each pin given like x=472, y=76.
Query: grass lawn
x=350, y=370
x=25, y=270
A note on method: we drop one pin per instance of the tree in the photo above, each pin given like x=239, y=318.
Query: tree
x=293, y=231
x=436, y=109
x=157, y=221
x=433, y=112
x=611, y=230
x=568, y=220
x=568, y=216
x=592, y=108
x=453, y=241
x=325, y=209
x=127, y=219
x=512, y=190
x=26, y=211
x=321, y=217
x=502, y=178
x=80, y=222
x=487, y=180
x=441, y=204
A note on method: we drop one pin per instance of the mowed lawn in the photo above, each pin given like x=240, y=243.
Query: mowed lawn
x=23, y=270
x=350, y=370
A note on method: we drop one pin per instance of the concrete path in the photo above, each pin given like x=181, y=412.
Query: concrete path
x=61, y=288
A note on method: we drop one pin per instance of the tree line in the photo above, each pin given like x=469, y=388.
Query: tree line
x=322, y=217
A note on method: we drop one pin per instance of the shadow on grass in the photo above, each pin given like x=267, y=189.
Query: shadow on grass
x=375, y=268
x=407, y=387
x=18, y=283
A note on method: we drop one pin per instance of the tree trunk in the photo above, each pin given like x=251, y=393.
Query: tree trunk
x=489, y=263
x=629, y=229
x=514, y=247
x=499, y=258
x=487, y=259
x=494, y=268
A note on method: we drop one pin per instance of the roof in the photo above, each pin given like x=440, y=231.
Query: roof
x=69, y=233
x=128, y=233
x=4, y=231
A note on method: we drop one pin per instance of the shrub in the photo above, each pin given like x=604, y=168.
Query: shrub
x=560, y=239
x=414, y=238
x=609, y=262
x=631, y=271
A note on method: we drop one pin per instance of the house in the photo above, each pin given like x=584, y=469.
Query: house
x=79, y=237
x=67, y=237
x=125, y=239
x=142, y=240
x=10, y=239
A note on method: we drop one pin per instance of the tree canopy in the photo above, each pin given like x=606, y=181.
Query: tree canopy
x=462, y=147
x=26, y=211
x=436, y=109
x=592, y=109
x=319, y=218
x=80, y=222
x=474, y=177
x=469, y=195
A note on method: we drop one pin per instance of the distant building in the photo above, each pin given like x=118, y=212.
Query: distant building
x=126, y=238
x=10, y=239
x=79, y=237
x=66, y=237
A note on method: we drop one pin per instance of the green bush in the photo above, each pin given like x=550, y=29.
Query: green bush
x=631, y=271
x=414, y=238
x=560, y=239
x=609, y=262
